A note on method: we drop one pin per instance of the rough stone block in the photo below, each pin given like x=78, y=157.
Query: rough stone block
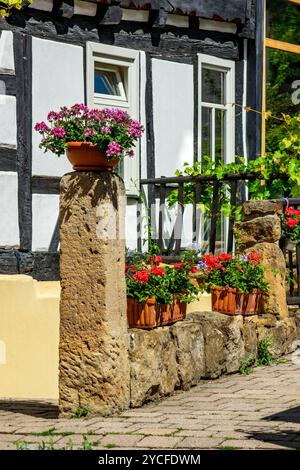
x=284, y=335
x=273, y=260
x=94, y=362
x=250, y=337
x=260, y=229
x=189, y=344
x=223, y=342
x=153, y=365
x=253, y=209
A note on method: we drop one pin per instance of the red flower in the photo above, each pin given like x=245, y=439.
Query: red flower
x=178, y=265
x=291, y=211
x=126, y=268
x=292, y=222
x=156, y=271
x=157, y=259
x=224, y=257
x=193, y=269
x=254, y=258
x=142, y=276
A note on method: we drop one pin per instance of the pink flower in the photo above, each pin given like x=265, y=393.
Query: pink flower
x=58, y=132
x=106, y=130
x=41, y=127
x=87, y=133
x=130, y=153
x=53, y=115
x=113, y=149
x=135, y=129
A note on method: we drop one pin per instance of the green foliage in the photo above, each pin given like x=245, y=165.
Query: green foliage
x=146, y=278
x=243, y=273
x=8, y=5
x=247, y=365
x=264, y=356
x=80, y=413
x=278, y=172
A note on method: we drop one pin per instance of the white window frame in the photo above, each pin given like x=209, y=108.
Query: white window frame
x=227, y=66
x=129, y=60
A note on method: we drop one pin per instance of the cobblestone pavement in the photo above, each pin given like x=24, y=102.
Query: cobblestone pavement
x=257, y=411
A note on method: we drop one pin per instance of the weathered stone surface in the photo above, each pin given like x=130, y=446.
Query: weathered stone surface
x=153, y=365
x=253, y=209
x=260, y=229
x=284, y=336
x=189, y=344
x=94, y=362
x=223, y=342
x=250, y=337
x=274, y=262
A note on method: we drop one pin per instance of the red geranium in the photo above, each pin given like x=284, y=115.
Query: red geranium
x=156, y=271
x=290, y=222
x=178, y=265
x=193, y=269
x=142, y=276
x=224, y=257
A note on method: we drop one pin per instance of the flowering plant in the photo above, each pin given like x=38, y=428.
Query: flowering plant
x=112, y=131
x=244, y=272
x=147, y=278
x=291, y=224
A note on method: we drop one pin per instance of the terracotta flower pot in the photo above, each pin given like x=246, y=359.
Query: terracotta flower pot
x=252, y=303
x=141, y=315
x=227, y=300
x=149, y=315
x=170, y=313
x=84, y=156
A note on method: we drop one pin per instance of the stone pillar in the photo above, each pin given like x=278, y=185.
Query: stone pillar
x=260, y=231
x=93, y=349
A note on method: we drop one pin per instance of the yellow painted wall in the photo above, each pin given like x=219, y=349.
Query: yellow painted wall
x=29, y=333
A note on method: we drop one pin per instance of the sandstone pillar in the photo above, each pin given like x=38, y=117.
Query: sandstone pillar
x=260, y=232
x=93, y=349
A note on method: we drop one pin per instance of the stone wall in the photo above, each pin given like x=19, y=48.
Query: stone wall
x=260, y=231
x=205, y=346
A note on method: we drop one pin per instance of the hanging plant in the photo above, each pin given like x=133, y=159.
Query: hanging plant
x=7, y=5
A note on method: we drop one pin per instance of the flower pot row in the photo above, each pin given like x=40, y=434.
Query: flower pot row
x=231, y=302
x=150, y=314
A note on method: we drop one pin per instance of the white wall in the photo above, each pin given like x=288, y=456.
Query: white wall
x=9, y=223
x=8, y=123
x=45, y=209
x=7, y=63
x=173, y=115
x=57, y=80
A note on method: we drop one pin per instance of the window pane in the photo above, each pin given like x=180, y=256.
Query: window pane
x=213, y=86
x=206, y=132
x=283, y=92
x=106, y=83
x=283, y=20
x=220, y=135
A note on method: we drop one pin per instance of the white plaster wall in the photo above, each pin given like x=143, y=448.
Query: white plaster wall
x=173, y=115
x=9, y=224
x=45, y=209
x=57, y=80
x=131, y=224
x=8, y=121
x=7, y=63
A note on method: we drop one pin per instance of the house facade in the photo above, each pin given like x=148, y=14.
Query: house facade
x=187, y=70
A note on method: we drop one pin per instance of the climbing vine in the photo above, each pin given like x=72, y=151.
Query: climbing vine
x=7, y=5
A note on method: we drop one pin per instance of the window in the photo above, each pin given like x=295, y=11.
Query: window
x=216, y=128
x=216, y=108
x=113, y=81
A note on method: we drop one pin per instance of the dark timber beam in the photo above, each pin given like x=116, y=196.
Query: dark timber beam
x=45, y=184
x=23, y=67
x=8, y=159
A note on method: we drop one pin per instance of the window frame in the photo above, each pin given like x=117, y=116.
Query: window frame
x=227, y=66
x=129, y=61
x=121, y=85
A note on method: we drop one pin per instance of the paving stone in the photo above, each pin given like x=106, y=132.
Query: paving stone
x=199, y=443
x=159, y=442
x=121, y=440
